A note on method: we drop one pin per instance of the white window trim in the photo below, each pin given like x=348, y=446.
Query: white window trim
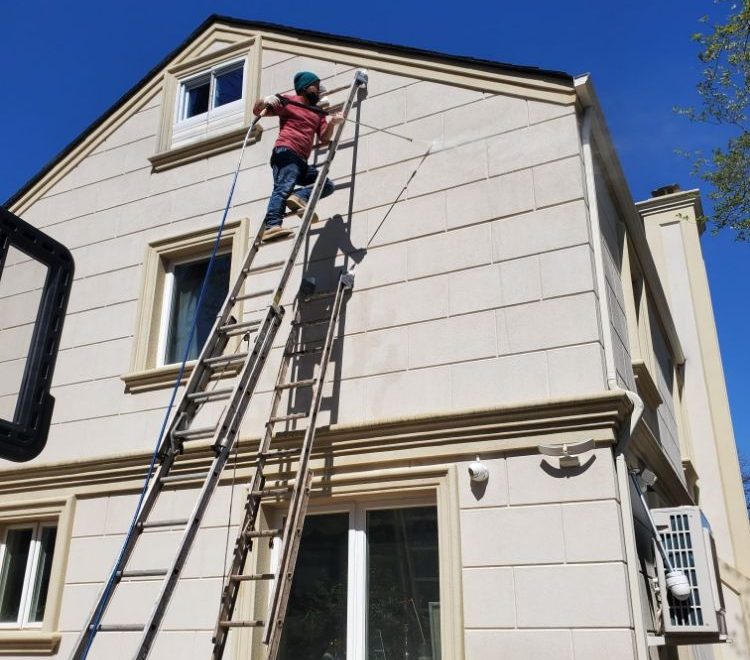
x=32, y=566
x=167, y=302
x=357, y=584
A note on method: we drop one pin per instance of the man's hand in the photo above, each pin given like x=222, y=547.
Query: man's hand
x=335, y=119
x=273, y=102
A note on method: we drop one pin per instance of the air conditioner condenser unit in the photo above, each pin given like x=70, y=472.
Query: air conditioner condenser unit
x=686, y=535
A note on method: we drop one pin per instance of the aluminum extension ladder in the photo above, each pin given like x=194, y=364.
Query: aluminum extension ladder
x=223, y=433
x=298, y=483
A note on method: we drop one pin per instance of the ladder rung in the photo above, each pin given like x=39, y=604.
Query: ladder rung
x=176, y=522
x=239, y=328
x=195, y=434
x=271, y=453
x=304, y=351
x=270, y=492
x=263, y=269
x=286, y=418
x=319, y=296
x=223, y=360
x=185, y=476
x=297, y=383
x=263, y=533
x=254, y=294
x=307, y=324
x=119, y=627
x=144, y=572
x=255, y=623
x=254, y=576
x=211, y=395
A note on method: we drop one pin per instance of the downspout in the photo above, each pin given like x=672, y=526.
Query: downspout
x=626, y=431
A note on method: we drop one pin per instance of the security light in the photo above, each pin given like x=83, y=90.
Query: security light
x=568, y=453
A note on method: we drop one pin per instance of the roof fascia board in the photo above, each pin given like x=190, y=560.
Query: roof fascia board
x=616, y=178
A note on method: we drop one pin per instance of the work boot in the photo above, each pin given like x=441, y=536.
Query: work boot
x=298, y=205
x=275, y=232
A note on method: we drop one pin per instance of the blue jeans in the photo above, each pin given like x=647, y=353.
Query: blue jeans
x=289, y=170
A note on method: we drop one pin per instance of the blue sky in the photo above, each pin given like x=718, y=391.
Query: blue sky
x=67, y=61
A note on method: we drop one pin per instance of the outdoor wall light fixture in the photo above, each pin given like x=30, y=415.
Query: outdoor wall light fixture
x=478, y=471
x=569, y=454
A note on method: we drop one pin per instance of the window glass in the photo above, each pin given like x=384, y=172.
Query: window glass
x=196, y=101
x=403, y=600
x=228, y=87
x=315, y=625
x=188, y=279
x=13, y=573
x=43, y=571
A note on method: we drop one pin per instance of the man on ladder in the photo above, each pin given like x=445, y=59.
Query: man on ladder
x=300, y=121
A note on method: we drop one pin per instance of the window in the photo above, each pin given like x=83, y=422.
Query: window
x=207, y=103
x=366, y=585
x=211, y=91
x=182, y=288
x=173, y=270
x=25, y=569
x=34, y=541
x=210, y=102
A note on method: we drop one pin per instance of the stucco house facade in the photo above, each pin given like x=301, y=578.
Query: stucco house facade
x=509, y=297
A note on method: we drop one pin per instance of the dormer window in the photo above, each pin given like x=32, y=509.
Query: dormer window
x=209, y=103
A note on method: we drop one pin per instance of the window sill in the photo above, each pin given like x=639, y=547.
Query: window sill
x=203, y=148
x=163, y=377
x=28, y=642
x=646, y=385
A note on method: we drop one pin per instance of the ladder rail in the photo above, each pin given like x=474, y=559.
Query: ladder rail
x=243, y=393
x=301, y=492
x=244, y=544
x=213, y=346
x=359, y=80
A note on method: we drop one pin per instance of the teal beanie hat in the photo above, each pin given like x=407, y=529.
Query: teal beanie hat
x=303, y=79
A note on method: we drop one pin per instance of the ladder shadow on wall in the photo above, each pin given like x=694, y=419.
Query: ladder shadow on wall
x=328, y=252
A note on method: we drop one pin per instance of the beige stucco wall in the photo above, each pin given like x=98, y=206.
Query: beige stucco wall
x=544, y=565
x=478, y=288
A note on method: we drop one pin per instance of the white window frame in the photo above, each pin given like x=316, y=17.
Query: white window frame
x=32, y=566
x=216, y=119
x=357, y=585
x=166, y=302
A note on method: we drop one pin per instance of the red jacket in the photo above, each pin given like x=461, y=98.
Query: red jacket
x=298, y=126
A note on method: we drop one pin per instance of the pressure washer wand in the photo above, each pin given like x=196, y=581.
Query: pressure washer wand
x=325, y=103
x=380, y=130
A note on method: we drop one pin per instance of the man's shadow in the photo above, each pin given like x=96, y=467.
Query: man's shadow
x=328, y=253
